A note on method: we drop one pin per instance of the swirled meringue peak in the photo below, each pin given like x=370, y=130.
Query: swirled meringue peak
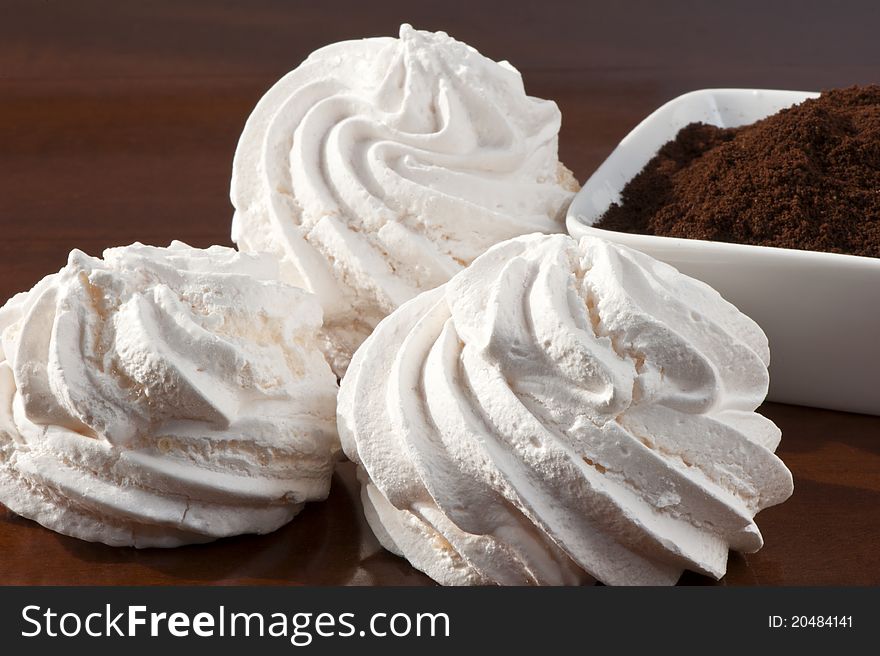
x=164, y=396
x=379, y=168
x=560, y=412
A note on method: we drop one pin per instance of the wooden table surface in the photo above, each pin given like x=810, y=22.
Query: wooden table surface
x=118, y=124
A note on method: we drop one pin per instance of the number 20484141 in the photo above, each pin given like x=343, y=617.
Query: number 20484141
x=810, y=621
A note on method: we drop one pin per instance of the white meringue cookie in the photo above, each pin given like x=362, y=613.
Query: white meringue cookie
x=561, y=411
x=163, y=396
x=378, y=168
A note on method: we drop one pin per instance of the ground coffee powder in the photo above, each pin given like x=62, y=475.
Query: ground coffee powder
x=805, y=178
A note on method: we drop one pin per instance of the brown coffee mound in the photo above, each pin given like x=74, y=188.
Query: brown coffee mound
x=805, y=178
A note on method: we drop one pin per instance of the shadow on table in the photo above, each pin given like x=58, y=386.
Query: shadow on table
x=319, y=547
x=808, y=429
x=824, y=535
x=328, y=543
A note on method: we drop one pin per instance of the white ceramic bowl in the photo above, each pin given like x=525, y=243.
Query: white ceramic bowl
x=821, y=311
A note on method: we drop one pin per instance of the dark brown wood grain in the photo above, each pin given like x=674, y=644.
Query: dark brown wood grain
x=118, y=122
